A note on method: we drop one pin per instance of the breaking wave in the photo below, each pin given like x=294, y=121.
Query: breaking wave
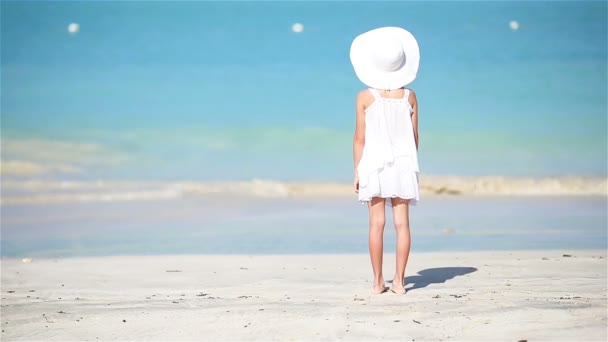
x=43, y=191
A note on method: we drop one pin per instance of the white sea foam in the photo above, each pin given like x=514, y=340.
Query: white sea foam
x=44, y=191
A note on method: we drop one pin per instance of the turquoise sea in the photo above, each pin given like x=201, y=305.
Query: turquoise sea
x=227, y=90
x=209, y=91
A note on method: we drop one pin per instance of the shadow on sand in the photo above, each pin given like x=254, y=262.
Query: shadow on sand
x=436, y=276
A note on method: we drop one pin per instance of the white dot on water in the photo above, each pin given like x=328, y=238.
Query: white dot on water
x=297, y=27
x=73, y=28
x=514, y=25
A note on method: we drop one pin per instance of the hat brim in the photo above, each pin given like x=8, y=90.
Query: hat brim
x=361, y=58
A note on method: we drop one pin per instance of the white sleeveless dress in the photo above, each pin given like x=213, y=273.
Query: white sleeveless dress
x=389, y=164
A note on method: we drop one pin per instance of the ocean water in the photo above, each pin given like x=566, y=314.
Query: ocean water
x=227, y=91
x=98, y=126
x=224, y=224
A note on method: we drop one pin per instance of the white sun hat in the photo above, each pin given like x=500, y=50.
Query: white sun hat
x=385, y=58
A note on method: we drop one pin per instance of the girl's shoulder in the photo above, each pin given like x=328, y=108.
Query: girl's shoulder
x=365, y=93
x=365, y=97
x=412, y=96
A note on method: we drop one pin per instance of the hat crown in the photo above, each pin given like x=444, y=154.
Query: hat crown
x=385, y=58
x=388, y=54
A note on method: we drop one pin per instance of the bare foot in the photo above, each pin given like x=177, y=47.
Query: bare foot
x=398, y=287
x=379, y=287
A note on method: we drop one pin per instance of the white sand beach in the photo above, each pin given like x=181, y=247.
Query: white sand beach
x=481, y=296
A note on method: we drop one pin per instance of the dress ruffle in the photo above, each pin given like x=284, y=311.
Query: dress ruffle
x=397, y=179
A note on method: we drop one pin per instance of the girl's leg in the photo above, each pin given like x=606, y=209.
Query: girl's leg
x=402, y=228
x=376, y=233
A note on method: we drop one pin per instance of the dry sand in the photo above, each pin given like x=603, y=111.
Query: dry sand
x=506, y=296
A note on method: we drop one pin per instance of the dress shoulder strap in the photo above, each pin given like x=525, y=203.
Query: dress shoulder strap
x=406, y=94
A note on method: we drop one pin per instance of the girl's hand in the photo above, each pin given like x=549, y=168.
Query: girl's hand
x=356, y=184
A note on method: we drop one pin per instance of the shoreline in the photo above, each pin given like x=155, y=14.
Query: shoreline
x=228, y=224
x=511, y=295
x=570, y=252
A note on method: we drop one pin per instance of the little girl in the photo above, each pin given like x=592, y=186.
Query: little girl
x=385, y=145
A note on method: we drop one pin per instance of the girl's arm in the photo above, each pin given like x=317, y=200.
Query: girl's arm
x=414, y=103
x=359, y=138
